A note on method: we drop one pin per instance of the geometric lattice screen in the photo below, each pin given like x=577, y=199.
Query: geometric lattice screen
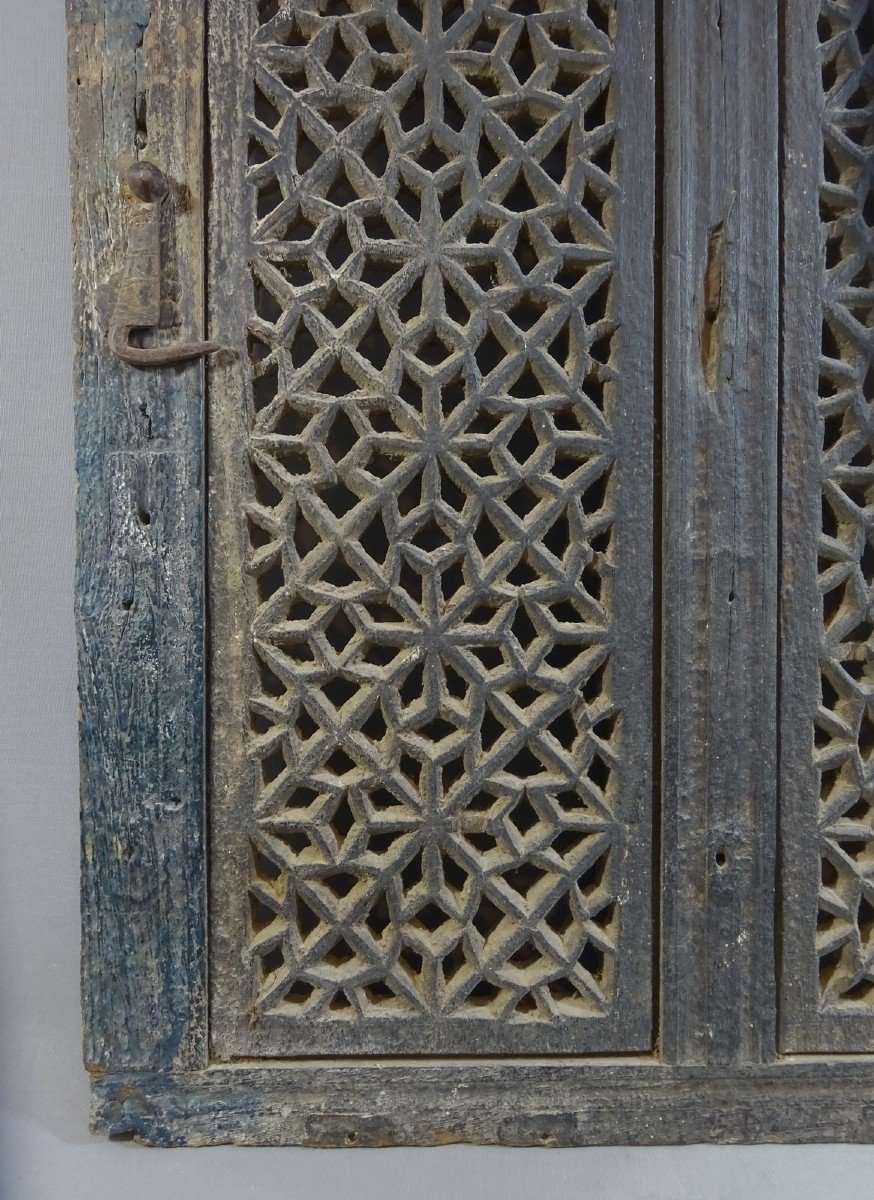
x=844, y=721
x=422, y=832
x=827, y=971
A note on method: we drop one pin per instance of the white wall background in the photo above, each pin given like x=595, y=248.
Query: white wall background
x=46, y=1152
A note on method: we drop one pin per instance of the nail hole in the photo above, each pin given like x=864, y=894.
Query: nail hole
x=720, y=859
x=145, y=516
x=127, y=604
x=169, y=803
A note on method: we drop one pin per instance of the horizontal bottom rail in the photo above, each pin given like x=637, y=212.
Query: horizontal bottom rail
x=388, y=1102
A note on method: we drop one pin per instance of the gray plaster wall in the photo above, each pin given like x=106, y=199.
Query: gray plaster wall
x=46, y=1152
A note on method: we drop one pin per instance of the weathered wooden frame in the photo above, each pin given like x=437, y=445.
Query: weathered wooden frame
x=807, y=1025
x=233, y=774
x=715, y=1075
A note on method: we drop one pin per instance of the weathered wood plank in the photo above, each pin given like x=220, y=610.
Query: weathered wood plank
x=535, y=1103
x=135, y=91
x=826, y=1006
x=720, y=522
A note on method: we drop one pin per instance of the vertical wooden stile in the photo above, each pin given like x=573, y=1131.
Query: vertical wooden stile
x=719, y=386
x=136, y=83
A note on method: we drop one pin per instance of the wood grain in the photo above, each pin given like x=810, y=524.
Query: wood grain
x=135, y=84
x=524, y=1103
x=720, y=279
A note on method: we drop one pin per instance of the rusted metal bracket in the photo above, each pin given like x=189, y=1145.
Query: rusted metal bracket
x=138, y=300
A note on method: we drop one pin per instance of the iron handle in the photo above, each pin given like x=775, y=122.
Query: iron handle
x=138, y=299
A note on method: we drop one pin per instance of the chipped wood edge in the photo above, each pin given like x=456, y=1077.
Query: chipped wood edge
x=489, y=1102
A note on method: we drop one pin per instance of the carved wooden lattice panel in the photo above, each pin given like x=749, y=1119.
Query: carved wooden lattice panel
x=844, y=722
x=835, y=831
x=431, y=594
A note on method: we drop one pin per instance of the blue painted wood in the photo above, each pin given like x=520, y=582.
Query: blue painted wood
x=505, y=1102
x=139, y=585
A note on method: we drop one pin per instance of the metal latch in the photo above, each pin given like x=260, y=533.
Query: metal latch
x=138, y=299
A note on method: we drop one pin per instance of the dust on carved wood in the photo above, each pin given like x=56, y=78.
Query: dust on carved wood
x=438, y=806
